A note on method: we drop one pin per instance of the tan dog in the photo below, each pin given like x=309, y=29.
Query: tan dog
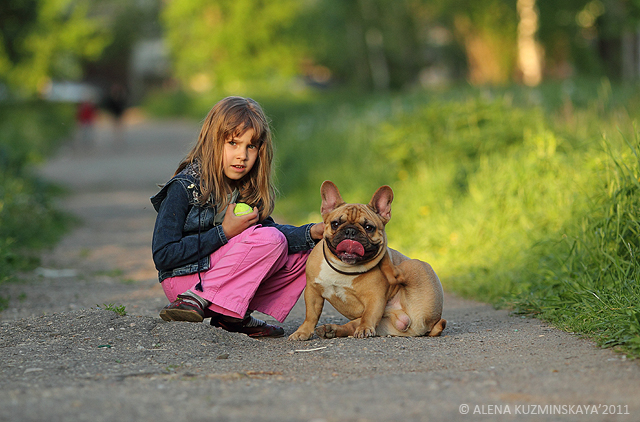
x=380, y=290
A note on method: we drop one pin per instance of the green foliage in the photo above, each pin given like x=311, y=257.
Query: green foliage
x=486, y=220
x=179, y=103
x=29, y=218
x=233, y=46
x=223, y=44
x=487, y=30
x=371, y=43
x=40, y=39
x=31, y=131
x=459, y=131
x=317, y=139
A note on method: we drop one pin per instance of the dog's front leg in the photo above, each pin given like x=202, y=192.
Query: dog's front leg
x=362, y=327
x=314, y=302
x=373, y=311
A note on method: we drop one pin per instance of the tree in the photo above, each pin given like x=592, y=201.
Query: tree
x=592, y=37
x=43, y=39
x=529, y=51
x=381, y=44
x=486, y=30
x=369, y=44
x=224, y=43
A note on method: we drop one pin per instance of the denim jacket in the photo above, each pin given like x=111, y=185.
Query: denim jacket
x=185, y=231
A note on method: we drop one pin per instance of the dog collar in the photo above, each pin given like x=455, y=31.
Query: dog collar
x=324, y=252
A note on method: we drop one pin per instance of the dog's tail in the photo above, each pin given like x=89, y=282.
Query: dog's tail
x=437, y=329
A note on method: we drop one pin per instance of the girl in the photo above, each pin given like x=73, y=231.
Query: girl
x=212, y=263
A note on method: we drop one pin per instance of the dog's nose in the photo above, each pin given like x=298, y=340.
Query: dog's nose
x=350, y=232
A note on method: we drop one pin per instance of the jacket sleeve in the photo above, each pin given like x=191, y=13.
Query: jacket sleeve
x=298, y=238
x=171, y=249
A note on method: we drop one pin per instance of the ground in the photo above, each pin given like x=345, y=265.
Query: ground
x=67, y=357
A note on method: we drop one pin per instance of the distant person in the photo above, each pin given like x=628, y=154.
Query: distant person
x=211, y=262
x=85, y=118
x=116, y=104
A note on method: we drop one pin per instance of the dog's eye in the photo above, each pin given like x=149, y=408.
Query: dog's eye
x=335, y=225
x=369, y=228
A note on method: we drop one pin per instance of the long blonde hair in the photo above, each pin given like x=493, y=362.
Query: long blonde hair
x=232, y=116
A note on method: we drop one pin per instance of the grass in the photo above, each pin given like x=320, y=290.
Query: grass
x=118, y=309
x=4, y=303
x=596, y=287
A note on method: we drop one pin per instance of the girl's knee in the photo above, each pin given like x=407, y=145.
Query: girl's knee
x=268, y=235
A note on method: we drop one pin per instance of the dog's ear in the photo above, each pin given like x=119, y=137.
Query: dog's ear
x=331, y=198
x=381, y=202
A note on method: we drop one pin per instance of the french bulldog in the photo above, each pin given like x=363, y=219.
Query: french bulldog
x=381, y=291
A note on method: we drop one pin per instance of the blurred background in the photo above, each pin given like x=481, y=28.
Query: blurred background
x=53, y=48
x=507, y=128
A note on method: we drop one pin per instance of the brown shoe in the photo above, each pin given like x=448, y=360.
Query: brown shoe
x=182, y=309
x=250, y=326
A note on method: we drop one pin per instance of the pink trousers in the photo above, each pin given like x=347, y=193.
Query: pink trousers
x=251, y=272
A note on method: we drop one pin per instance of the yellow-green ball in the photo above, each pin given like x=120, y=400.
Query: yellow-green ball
x=242, y=209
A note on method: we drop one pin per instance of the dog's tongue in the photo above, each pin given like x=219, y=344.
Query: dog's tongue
x=350, y=247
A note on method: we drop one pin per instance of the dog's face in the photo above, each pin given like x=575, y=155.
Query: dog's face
x=354, y=234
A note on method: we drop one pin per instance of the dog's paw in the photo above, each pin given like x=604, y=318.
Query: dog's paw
x=300, y=336
x=326, y=331
x=364, y=332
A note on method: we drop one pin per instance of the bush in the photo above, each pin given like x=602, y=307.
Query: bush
x=31, y=132
x=452, y=130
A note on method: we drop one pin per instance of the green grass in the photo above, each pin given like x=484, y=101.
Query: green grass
x=118, y=309
x=596, y=287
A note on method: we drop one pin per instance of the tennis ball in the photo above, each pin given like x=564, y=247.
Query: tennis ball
x=242, y=209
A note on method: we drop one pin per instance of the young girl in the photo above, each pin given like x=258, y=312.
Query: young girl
x=212, y=263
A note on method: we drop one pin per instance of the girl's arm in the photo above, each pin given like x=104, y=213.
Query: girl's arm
x=170, y=248
x=298, y=238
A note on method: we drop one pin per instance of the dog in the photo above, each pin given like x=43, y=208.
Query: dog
x=381, y=291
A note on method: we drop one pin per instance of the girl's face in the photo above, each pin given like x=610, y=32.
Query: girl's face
x=239, y=155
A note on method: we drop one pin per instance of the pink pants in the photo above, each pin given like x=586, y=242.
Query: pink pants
x=251, y=272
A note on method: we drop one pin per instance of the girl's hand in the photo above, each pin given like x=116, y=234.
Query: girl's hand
x=317, y=231
x=233, y=225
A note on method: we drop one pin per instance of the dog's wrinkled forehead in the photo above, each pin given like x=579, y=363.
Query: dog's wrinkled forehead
x=354, y=214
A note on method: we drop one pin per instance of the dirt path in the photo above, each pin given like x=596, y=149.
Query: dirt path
x=63, y=359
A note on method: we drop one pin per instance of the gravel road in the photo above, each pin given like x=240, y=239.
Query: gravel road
x=65, y=357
